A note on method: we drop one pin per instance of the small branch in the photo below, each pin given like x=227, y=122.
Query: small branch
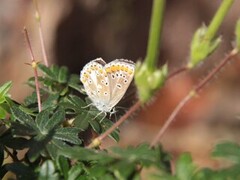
x=170, y=119
x=38, y=18
x=29, y=44
x=176, y=72
x=14, y=158
x=97, y=141
x=34, y=66
x=216, y=70
x=191, y=94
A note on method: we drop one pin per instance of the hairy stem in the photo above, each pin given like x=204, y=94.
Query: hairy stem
x=34, y=66
x=38, y=18
x=98, y=140
x=191, y=94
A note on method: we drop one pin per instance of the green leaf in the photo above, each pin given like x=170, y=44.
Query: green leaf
x=77, y=101
x=81, y=121
x=8, y=139
x=106, y=124
x=68, y=134
x=3, y=113
x=227, y=150
x=185, y=168
x=95, y=125
x=22, y=117
x=75, y=171
x=4, y=90
x=84, y=154
x=63, y=74
x=123, y=169
x=47, y=71
x=74, y=83
x=1, y=154
x=50, y=102
x=144, y=155
x=55, y=120
x=23, y=130
x=21, y=171
x=41, y=120
x=38, y=144
x=47, y=171
x=63, y=166
x=55, y=70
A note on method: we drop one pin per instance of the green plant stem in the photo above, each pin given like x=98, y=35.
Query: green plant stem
x=192, y=94
x=154, y=33
x=218, y=18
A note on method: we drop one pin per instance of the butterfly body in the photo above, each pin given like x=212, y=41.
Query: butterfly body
x=106, y=84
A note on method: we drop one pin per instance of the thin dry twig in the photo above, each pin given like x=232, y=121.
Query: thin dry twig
x=191, y=94
x=97, y=141
x=34, y=66
x=38, y=18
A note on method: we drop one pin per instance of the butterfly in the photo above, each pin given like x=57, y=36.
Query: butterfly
x=106, y=84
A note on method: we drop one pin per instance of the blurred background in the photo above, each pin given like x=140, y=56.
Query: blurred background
x=77, y=31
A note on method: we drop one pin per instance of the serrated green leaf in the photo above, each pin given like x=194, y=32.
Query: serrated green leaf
x=68, y=134
x=63, y=74
x=55, y=120
x=47, y=171
x=228, y=150
x=4, y=90
x=48, y=72
x=32, y=99
x=95, y=125
x=23, y=130
x=185, y=168
x=41, y=121
x=77, y=101
x=63, y=166
x=22, y=117
x=50, y=102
